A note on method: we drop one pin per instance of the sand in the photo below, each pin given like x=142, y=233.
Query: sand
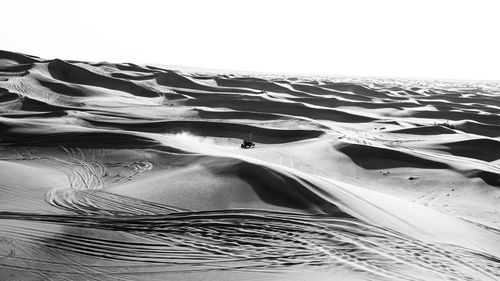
x=119, y=171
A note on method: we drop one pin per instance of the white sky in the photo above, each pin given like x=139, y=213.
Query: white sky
x=420, y=38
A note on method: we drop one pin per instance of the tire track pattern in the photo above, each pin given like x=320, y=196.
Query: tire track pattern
x=260, y=241
x=86, y=179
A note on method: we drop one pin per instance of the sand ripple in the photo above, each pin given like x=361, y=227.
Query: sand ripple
x=258, y=240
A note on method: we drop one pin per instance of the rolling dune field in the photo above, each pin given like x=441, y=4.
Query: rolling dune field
x=119, y=171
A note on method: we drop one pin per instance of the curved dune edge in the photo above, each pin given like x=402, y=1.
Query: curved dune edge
x=122, y=171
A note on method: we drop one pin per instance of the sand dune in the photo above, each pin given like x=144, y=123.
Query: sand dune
x=127, y=172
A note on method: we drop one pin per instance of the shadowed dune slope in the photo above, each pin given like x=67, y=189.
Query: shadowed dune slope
x=17, y=57
x=383, y=158
x=483, y=149
x=68, y=72
x=173, y=79
x=215, y=129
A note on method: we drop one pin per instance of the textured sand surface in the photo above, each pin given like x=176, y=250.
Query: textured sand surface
x=128, y=172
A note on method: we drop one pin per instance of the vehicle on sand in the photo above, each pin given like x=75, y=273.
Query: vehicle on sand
x=248, y=143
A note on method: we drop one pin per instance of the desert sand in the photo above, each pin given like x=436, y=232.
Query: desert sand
x=119, y=171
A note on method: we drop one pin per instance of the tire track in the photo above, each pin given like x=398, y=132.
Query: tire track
x=258, y=240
